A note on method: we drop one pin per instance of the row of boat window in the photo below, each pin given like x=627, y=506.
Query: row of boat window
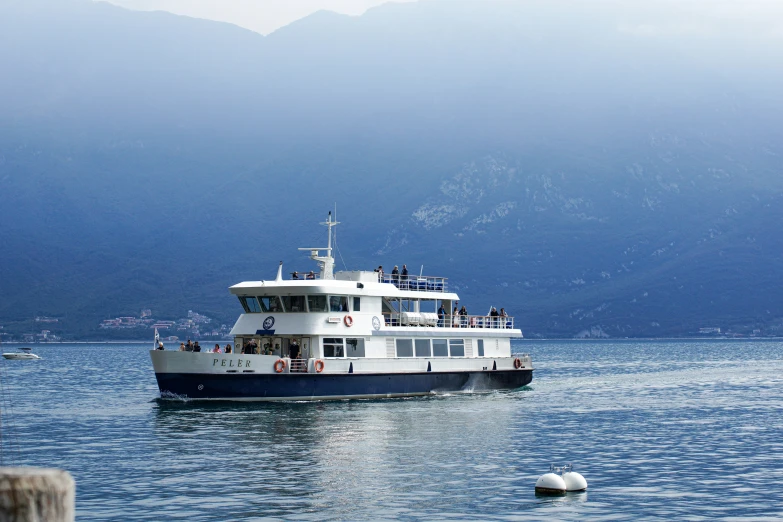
x=339, y=347
x=434, y=348
x=300, y=303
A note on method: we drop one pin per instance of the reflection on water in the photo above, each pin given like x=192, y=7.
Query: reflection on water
x=638, y=420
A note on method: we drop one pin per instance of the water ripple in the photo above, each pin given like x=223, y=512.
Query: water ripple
x=684, y=430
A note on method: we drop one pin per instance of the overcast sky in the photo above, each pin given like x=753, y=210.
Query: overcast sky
x=263, y=16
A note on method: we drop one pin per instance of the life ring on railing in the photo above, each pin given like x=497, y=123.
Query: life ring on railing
x=348, y=320
x=279, y=365
x=319, y=365
x=517, y=363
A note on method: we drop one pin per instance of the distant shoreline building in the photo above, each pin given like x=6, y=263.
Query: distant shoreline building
x=709, y=330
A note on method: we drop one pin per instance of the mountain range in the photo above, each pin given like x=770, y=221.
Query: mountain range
x=596, y=168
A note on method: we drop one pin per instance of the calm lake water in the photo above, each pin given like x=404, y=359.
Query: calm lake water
x=659, y=429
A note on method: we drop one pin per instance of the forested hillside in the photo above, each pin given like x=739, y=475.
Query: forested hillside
x=595, y=168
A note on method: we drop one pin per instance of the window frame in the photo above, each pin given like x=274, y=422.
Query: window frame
x=324, y=343
x=459, y=343
x=397, y=348
x=289, y=297
x=416, y=347
x=445, y=342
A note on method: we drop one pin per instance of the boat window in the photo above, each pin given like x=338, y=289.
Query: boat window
x=294, y=303
x=357, y=302
x=250, y=304
x=404, y=348
x=317, y=303
x=355, y=347
x=423, y=348
x=457, y=347
x=333, y=347
x=270, y=303
x=481, y=347
x=338, y=303
x=440, y=348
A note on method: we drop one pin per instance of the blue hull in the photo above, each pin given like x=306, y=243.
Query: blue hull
x=304, y=386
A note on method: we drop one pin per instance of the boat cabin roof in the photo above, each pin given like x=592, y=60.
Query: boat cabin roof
x=348, y=283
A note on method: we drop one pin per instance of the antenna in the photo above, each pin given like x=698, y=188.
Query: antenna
x=326, y=263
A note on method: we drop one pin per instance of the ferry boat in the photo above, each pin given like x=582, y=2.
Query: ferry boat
x=351, y=334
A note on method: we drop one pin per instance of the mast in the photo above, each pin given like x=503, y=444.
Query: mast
x=325, y=263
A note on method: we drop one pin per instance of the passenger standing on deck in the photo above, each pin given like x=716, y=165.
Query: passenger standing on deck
x=311, y=275
x=293, y=349
x=404, y=276
x=504, y=315
x=228, y=348
x=441, y=315
x=181, y=347
x=380, y=273
x=395, y=276
x=216, y=349
x=463, y=312
x=493, y=314
x=189, y=346
x=455, y=317
x=196, y=347
x=294, y=275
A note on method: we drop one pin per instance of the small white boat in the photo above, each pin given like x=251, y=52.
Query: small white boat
x=23, y=353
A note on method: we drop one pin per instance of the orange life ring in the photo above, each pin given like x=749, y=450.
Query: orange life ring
x=348, y=320
x=279, y=365
x=319, y=365
x=517, y=363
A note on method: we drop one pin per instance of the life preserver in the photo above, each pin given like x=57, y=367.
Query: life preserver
x=348, y=320
x=279, y=365
x=319, y=365
x=517, y=363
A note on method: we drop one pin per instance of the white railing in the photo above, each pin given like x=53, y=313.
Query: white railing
x=414, y=282
x=298, y=366
x=448, y=321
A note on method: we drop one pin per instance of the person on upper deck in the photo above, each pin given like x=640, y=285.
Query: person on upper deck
x=493, y=315
x=380, y=273
x=160, y=346
x=441, y=315
x=216, y=349
x=294, y=275
x=404, y=276
x=311, y=275
x=228, y=348
x=463, y=312
x=395, y=275
x=196, y=347
x=189, y=346
x=181, y=347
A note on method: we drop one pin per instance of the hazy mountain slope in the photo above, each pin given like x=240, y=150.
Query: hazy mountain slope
x=586, y=165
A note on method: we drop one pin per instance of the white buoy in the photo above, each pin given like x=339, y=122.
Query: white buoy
x=559, y=480
x=551, y=484
x=574, y=481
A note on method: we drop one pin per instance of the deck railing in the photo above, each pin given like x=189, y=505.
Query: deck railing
x=299, y=365
x=448, y=321
x=414, y=282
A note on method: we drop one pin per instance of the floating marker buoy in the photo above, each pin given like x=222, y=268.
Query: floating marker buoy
x=574, y=481
x=559, y=480
x=551, y=484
